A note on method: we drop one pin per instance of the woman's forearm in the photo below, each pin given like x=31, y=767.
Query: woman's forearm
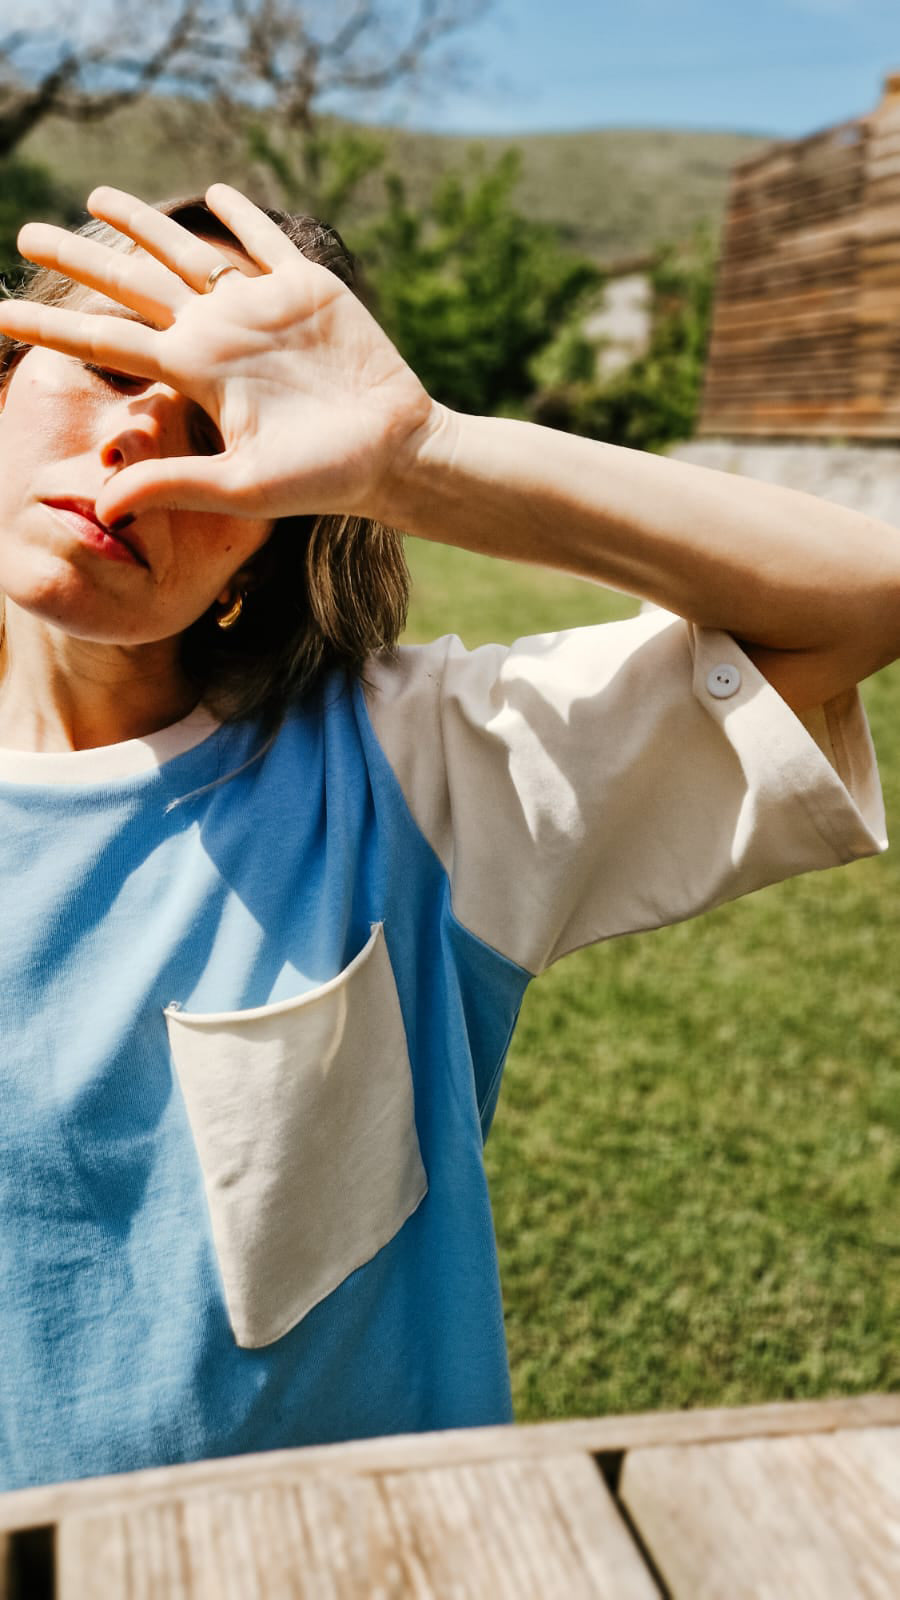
x=810, y=588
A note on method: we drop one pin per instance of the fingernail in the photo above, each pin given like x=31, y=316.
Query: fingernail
x=121, y=523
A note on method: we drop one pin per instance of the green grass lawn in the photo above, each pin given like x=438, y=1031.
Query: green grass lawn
x=695, y=1164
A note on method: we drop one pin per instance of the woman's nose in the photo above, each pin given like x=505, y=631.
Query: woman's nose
x=143, y=425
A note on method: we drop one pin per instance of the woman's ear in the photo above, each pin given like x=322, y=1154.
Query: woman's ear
x=248, y=577
x=240, y=583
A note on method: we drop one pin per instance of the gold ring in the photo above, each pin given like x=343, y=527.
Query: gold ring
x=215, y=275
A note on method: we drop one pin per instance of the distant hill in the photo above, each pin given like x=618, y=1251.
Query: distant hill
x=613, y=192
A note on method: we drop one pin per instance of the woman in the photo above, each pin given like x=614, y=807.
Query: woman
x=276, y=890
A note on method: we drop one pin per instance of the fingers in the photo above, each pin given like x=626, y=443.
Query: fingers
x=134, y=280
x=262, y=238
x=183, y=483
x=192, y=259
x=155, y=282
x=106, y=341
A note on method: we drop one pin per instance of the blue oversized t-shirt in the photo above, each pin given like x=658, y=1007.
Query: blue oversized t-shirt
x=255, y=999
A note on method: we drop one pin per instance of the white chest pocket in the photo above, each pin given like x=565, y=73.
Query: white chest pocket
x=302, y=1116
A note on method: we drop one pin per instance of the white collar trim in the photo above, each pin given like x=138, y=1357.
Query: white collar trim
x=108, y=761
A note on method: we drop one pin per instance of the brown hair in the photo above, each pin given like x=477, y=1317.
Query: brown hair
x=326, y=591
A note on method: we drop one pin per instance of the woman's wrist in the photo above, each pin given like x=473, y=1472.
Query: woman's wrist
x=419, y=473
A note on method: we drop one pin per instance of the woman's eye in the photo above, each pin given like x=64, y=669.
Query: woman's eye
x=206, y=439
x=122, y=382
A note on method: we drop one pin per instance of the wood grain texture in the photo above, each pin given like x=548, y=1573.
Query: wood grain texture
x=513, y=1530
x=41, y=1507
x=816, y=1517
x=809, y=278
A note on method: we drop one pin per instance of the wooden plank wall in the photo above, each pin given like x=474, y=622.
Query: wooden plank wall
x=806, y=323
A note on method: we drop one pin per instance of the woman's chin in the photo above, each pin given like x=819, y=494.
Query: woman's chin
x=74, y=608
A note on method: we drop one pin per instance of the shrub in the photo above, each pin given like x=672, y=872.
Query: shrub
x=469, y=289
x=655, y=400
x=27, y=191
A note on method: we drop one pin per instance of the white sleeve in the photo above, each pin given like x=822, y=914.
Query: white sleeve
x=591, y=783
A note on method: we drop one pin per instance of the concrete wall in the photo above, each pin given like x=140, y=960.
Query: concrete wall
x=864, y=476
x=622, y=325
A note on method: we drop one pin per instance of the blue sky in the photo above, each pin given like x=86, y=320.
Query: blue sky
x=783, y=67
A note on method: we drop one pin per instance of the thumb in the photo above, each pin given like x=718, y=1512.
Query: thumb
x=176, y=483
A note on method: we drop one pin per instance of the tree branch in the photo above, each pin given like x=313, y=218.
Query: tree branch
x=293, y=50
x=64, y=88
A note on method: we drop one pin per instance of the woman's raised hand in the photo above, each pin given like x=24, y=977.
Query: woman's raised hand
x=314, y=404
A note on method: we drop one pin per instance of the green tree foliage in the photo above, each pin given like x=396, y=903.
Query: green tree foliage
x=469, y=289
x=487, y=305
x=653, y=402
x=27, y=192
x=318, y=172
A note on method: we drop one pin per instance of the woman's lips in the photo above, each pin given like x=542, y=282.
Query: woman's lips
x=80, y=515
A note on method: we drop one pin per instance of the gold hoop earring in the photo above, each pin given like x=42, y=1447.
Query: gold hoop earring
x=227, y=619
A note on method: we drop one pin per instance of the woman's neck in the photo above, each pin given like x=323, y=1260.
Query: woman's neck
x=61, y=693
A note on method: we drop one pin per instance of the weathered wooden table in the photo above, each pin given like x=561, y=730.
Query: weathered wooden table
x=785, y=1502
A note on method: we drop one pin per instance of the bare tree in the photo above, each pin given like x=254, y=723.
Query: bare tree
x=307, y=58
x=83, y=65
x=309, y=62
x=296, y=57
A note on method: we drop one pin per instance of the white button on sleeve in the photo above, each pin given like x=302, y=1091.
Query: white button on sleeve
x=723, y=681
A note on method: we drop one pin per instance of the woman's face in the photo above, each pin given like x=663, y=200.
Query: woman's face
x=65, y=430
